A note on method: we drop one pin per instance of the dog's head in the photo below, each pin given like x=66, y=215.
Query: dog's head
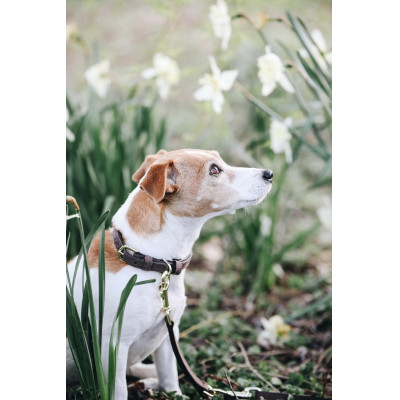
x=196, y=183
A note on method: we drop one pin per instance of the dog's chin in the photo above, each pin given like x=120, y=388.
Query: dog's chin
x=251, y=202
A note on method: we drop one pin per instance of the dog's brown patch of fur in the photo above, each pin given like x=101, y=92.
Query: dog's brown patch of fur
x=145, y=216
x=112, y=262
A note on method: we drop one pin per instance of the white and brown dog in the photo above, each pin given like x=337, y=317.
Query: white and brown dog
x=177, y=193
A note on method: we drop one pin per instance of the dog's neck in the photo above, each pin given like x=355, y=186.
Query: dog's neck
x=151, y=229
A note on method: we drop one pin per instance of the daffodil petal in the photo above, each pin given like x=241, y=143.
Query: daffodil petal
x=226, y=36
x=285, y=83
x=218, y=102
x=98, y=77
x=204, y=93
x=227, y=78
x=268, y=88
x=214, y=67
x=163, y=88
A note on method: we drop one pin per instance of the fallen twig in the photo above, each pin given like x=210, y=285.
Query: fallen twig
x=320, y=358
x=230, y=385
x=252, y=369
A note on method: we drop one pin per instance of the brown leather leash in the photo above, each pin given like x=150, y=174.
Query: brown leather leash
x=166, y=268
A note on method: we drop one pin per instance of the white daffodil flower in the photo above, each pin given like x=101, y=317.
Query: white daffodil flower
x=221, y=22
x=98, y=78
x=280, y=138
x=271, y=72
x=166, y=72
x=213, y=85
x=275, y=331
x=316, y=51
x=70, y=134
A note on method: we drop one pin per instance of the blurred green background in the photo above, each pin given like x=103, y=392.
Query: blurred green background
x=274, y=258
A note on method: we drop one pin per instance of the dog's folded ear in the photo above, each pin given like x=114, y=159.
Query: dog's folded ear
x=139, y=174
x=161, y=178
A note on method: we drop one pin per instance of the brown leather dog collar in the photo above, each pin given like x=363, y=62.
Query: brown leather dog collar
x=147, y=263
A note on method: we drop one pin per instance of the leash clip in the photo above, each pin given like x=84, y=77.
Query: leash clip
x=163, y=288
x=121, y=251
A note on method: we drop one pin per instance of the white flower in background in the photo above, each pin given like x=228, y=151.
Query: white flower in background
x=213, y=85
x=275, y=331
x=325, y=213
x=280, y=138
x=166, y=72
x=98, y=78
x=221, y=22
x=70, y=134
x=321, y=45
x=271, y=72
x=265, y=226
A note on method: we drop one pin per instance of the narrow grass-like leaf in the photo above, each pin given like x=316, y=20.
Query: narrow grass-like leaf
x=88, y=240
x=79, y=347
x=94, y=332
x=112, y=352
x=314, y=80
x=85, y=309
x=102, y=282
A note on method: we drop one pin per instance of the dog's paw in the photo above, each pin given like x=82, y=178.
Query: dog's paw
x=150, y=383
x=142, y=371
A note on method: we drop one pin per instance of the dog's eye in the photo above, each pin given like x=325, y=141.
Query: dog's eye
x=214, y=170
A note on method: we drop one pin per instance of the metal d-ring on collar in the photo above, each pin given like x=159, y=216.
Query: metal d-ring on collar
x=121, y=251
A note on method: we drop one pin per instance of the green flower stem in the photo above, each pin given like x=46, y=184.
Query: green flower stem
x=252, y=99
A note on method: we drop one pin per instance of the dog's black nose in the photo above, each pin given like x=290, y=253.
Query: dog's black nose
x=268, y=175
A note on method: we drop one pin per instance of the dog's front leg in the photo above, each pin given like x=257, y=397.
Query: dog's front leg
x=165, y=361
